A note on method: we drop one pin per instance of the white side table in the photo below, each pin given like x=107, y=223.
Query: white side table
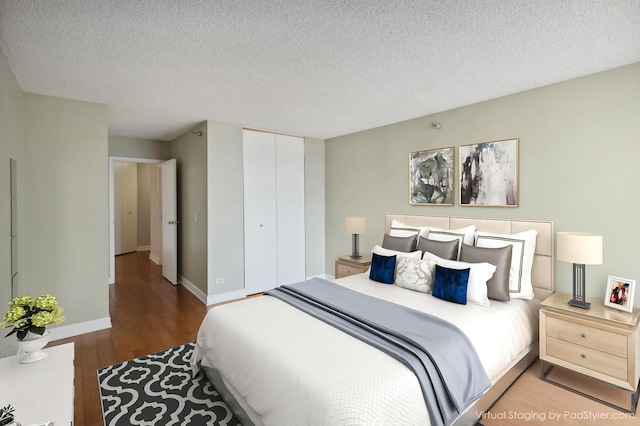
x=41, y=391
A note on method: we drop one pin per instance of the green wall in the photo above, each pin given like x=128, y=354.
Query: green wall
x=579, y=150
x=225, y=209
x=11, y=141
x=61, y=148
x=66, y=205
x=314, y=201
x=190, y=152
x=123, y=146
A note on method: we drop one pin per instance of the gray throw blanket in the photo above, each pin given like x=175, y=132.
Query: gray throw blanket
x=446, y=364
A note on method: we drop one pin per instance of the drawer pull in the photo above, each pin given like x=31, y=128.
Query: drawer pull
x=583, y=356
x=583, y=335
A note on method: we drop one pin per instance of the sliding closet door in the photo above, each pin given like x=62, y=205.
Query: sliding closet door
x=290, y=209
x=260, y=230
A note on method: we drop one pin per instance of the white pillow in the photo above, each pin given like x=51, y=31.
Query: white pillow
x=399, y=255
x=416, y=275
x=524, y=247
x=479, y=274
x=399, y=229
x=463, y=235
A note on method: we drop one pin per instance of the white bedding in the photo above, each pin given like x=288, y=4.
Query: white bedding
x=325, y=377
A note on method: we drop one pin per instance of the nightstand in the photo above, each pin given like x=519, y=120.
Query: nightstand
x=599, y=342
x=346, y=265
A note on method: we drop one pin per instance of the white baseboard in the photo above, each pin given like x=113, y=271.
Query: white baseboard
x=143, y=248
x=193, y=289
x=212, y=299
x=64, y=331
x=154, y=259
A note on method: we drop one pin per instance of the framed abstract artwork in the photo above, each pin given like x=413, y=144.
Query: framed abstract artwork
x=431, y=177
x=620, y=292
x=489, y=173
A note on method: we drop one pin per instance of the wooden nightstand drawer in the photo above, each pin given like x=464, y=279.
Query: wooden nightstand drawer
x=346, y=265
x=592, y=359
x=344, y=270
x=590, y=337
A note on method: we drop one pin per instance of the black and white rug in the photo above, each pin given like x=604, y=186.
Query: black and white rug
x=158, y=389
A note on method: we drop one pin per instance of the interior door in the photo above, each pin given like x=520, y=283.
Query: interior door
x=126, y=207
x=290, y=209
x=260, y=272
x=169, y=221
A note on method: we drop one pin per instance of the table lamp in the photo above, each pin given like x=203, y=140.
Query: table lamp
x=579, y=248
x=355, y=225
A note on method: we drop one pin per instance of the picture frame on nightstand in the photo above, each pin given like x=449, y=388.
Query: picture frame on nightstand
x=620, y=292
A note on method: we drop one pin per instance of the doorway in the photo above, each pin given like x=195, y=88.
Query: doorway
x=152, y=214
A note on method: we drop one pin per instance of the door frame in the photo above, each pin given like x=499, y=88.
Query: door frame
x=112, y=237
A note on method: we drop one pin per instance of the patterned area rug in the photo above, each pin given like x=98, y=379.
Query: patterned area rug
x=158, y=389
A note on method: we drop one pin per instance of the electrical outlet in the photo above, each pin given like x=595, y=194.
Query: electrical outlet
x=219, y=280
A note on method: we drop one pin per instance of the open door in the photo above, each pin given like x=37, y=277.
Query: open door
x=169, y=221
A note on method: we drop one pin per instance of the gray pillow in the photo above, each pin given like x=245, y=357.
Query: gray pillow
x=405, y=244
x=498, y=285
x=444, y=249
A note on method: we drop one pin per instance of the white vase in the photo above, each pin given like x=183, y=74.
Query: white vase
x=32, y=345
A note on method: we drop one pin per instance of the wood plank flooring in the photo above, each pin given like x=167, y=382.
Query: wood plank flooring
x=531, y=401
x=148, y=315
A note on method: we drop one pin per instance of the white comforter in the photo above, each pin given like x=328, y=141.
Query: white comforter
x=287, y=368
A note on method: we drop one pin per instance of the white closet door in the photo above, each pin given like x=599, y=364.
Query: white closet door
x=126, y=207
x=290, y=209
x=260, y=257
x=117, y=207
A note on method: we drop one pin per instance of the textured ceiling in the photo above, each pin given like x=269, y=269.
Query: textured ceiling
x=319, y=68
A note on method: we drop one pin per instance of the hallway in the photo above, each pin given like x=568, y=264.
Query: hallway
x=148, y=314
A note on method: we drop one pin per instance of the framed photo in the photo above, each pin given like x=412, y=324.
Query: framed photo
x=620, y=293
x=431, y=177
x=489, y=173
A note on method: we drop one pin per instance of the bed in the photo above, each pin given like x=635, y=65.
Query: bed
x=277, y=365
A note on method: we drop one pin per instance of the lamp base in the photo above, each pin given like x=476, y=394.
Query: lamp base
x=579, y=303
x=355, y=253
x=579, y=288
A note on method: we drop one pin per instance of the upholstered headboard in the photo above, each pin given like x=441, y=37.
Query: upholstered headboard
x=542, y=271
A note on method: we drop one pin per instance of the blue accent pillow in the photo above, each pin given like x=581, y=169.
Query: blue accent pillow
x=451, y=284
x=383, y=268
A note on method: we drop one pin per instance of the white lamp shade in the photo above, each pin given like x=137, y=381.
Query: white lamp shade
x=580, y=247
x=355, y=225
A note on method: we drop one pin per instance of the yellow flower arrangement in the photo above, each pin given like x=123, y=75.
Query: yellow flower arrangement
x=27, y=314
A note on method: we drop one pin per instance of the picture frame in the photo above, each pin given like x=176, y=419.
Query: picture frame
x=431, y=178
x=620, y=293
x=489, y=173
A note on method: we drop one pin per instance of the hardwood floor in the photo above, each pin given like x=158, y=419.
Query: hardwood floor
x=531, y=401
x=148, y=315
